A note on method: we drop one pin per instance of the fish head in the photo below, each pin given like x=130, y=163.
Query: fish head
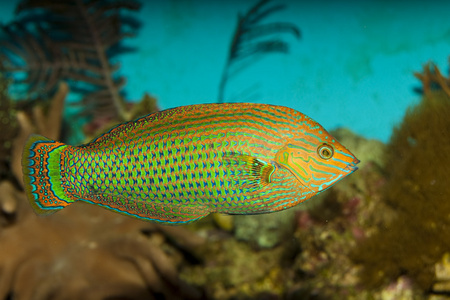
x=316, y=159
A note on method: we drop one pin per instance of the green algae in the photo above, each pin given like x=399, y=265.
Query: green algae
x=418, y=191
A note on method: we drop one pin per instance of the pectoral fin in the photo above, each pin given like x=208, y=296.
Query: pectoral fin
x=249, y=170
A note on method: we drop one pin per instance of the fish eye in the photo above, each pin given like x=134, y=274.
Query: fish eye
x=325, y=151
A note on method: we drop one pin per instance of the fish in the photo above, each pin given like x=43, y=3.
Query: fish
x=181, y=164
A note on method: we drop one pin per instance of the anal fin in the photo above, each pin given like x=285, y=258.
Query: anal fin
x=147, y=210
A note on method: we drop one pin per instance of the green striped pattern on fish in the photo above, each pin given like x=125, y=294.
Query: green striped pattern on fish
x=181, y=164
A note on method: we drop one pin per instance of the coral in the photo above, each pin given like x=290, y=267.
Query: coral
x=432, y=79
x=233, y=270
x=417, y=190
x=264, y=231
x=442, y=274
x=85, y=253
x=246, y=43
x=74, y=41
x=8, y=203
x=8, y=128
x=225, y=222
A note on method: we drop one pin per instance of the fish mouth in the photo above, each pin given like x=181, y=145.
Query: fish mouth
x=351, y=167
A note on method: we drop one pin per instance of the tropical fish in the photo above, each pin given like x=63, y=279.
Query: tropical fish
x=179, y=165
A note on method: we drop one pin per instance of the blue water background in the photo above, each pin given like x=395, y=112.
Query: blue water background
x=353, y=66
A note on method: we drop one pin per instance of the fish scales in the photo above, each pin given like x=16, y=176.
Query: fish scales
x=179, y=165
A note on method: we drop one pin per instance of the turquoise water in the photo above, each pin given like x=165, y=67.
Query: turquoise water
x=352, y=67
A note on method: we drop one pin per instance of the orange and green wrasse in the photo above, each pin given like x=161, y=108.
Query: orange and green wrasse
x=179, y=165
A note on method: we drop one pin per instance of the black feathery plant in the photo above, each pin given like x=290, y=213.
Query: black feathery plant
x=248, y=40
x=70, y=40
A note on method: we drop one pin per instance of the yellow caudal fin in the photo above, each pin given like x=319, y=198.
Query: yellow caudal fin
x=42, y=175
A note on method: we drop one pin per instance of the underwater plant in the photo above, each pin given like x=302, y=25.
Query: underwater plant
x=417, y=190
x=74, y=41
x=248, y=42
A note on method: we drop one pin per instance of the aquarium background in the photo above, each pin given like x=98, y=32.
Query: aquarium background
x=373, y=73
x=352, y=66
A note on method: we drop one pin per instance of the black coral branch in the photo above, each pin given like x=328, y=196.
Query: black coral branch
x=250, y=40
x=72, y=40
x=23, y=52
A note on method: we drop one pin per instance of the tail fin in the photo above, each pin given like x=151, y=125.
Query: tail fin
x=41, y=168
